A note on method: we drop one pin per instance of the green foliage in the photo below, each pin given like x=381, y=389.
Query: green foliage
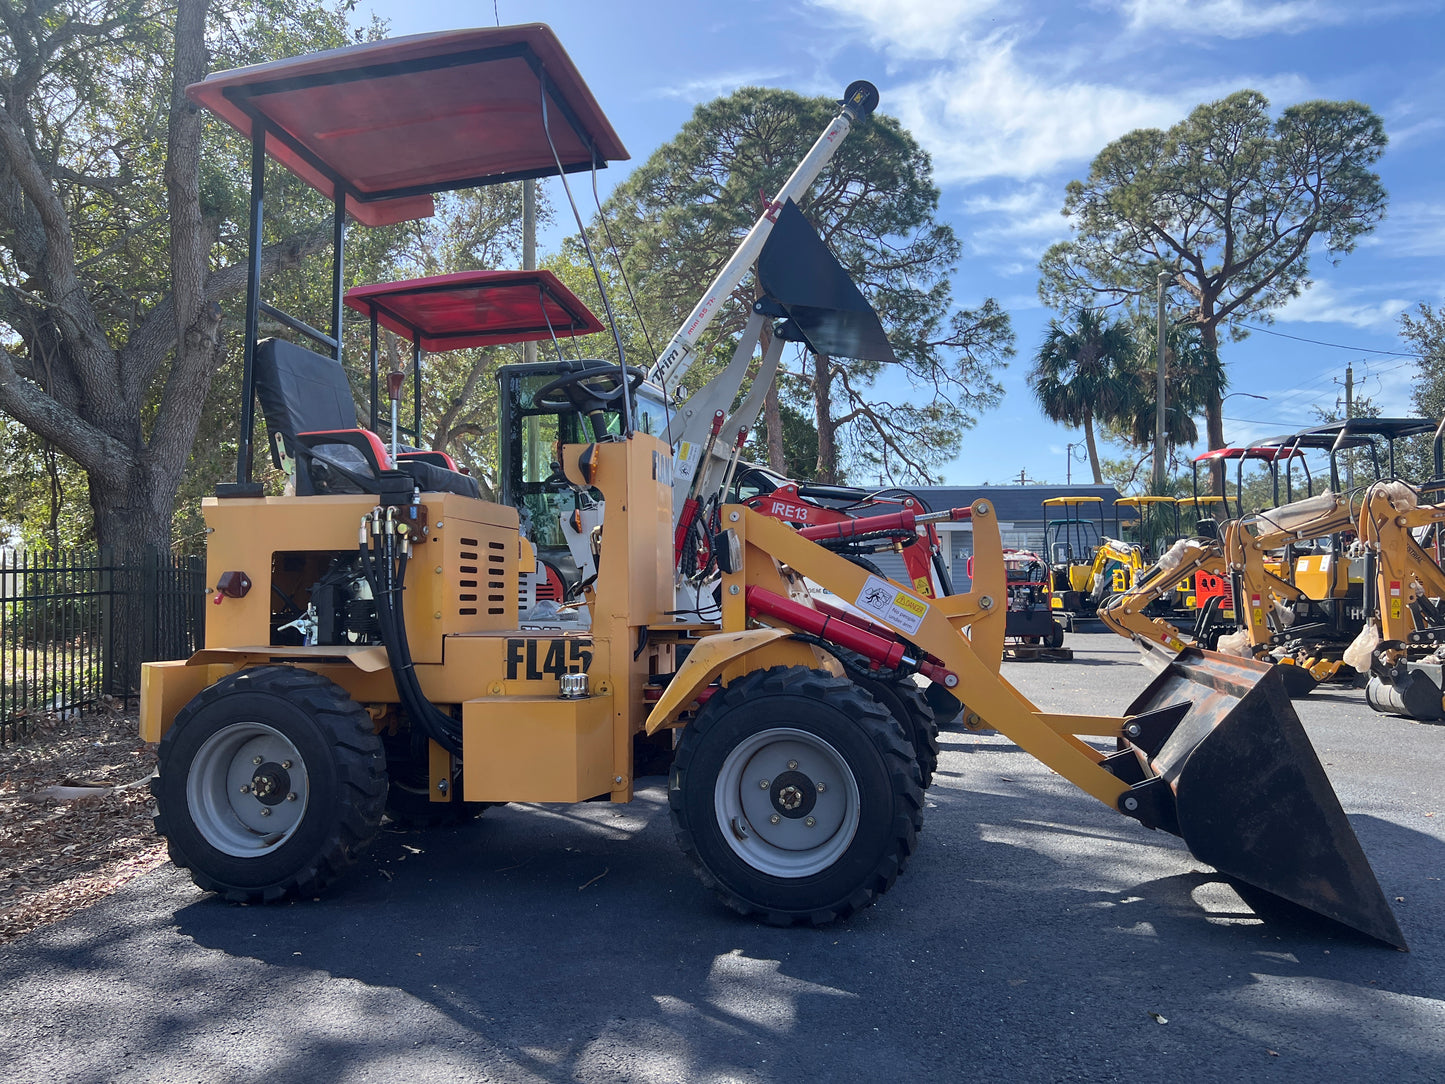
x=1081, y=375
x=43, y=501
x=1229, y=200
x=680, y=215
x=800, y=438
x=1424, y=330
x=1191, y=381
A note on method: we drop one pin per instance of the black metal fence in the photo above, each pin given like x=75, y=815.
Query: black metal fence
x=75, y=627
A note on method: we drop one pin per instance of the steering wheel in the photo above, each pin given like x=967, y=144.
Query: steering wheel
x=590, y=391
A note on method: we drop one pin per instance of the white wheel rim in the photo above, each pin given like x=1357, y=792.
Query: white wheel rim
x=786, y=802
x=247, y=789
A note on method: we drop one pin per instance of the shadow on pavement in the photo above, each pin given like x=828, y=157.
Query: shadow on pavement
x=1032, y=936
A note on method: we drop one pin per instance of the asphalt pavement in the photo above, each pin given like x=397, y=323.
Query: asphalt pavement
x=1035, y=936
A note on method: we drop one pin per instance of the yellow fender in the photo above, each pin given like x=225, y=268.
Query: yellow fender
x=704, y=662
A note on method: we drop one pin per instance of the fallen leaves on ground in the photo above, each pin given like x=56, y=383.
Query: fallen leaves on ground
x=59, y=856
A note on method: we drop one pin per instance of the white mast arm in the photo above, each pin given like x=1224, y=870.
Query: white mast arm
x=859, y=100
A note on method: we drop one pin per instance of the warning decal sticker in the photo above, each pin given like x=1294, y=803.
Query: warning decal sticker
x=891, y=604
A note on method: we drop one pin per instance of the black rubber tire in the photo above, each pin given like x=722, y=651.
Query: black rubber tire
x=867, y=739
x=907, y=703
x=948, y=709
x=345, y=769
x=1056, y=637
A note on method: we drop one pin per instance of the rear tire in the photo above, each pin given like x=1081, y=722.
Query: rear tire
x=270, y=782
x=851, y=773
x=907, y=703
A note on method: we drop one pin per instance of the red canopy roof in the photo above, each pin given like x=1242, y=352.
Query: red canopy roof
x=476, y=308
x=1248, y=453
x=400, y=119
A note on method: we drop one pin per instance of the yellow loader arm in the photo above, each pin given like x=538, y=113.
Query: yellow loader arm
x=1125, y=613
x=1248, y=541
x=1193, y=754
x=1404, y=572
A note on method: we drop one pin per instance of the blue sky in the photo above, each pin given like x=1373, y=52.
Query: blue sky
x=1013, y=100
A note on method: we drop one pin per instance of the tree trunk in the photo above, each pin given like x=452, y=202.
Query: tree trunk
x=134, y=520
x=1214, y=408
x=826, y=470
x=773, y=419
x=1092, y=447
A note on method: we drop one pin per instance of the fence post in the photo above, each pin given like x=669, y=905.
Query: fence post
x=105, y=591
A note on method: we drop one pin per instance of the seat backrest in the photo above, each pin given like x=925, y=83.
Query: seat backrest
x=301, y=391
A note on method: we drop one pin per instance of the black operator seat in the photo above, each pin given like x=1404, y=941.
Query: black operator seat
x=304, y=394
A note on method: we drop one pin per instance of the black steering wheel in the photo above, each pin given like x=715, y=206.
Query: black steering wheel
x=590, y=390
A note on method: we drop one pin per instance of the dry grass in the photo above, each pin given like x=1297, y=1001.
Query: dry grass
x=60, y=854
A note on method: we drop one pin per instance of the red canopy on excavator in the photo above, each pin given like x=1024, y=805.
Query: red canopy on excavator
x=391, y=122
x=476, y=308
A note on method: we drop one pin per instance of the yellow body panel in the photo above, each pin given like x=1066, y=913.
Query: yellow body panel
x=1322, y=576
x=462, y=578
x=537, y=749
x=167, y=687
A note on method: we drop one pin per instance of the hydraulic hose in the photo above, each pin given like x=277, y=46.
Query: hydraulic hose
x=385, y=571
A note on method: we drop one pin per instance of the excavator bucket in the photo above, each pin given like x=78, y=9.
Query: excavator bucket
x=1245, y=790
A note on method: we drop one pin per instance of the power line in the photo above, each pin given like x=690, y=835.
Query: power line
x=1337, y=346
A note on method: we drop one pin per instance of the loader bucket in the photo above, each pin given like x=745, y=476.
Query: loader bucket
x=1249, y=796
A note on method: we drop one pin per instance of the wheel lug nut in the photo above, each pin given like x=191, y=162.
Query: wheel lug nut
x=822, y=787
x=774, y=819
x=245, y=788
x=811, y=822
x=256, y=761
x=792, y=765
x=265, y=811
x=291, y=797
x=763, y=783
x=285, y=764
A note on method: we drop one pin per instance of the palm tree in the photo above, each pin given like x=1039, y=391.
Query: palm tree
x=1192, y=378
x=1081, y=374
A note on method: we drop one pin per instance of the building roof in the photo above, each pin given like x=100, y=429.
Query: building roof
x=1017, y=504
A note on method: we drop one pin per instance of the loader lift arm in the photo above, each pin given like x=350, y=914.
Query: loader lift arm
x=1211, y=751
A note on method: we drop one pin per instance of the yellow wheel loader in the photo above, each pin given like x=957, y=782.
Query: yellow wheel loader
x=795, y=787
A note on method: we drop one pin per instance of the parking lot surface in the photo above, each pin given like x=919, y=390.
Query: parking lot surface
x=1036, y=936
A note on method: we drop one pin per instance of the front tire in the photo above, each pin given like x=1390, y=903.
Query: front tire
x=839, y=815
x=271, y=780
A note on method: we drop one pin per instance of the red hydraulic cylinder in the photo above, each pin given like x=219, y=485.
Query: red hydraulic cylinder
x=881, y=651
x=906, y=520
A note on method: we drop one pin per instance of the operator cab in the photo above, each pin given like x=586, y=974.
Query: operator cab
x=534, y=427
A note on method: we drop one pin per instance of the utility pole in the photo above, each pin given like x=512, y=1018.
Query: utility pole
x=1349, y=413
x=1165, y=279
x=529, y=245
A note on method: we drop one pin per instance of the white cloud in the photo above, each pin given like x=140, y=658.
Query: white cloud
x=1020, y=220
x=915, y=28
x=988, y=117
x=716, y=86
x=1411, y=229
x=1233, y=18
x=1324, y=304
